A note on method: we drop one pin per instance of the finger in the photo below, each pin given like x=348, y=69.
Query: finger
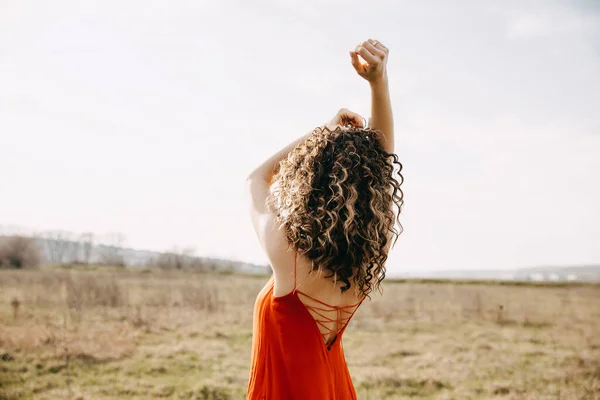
x=366, y=55
x=355, y=61
x=352, y=117
x=355, y=120
x=374, y=50
x=378, y=45
x=382, y=48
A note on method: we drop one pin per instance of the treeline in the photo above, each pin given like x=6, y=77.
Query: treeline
x=59, y=248
x=20, y=251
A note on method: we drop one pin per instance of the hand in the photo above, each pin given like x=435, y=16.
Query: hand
x=375, y=54
x=345, y=118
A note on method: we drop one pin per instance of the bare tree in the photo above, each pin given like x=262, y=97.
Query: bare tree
x=87, y=245
x=176, y=259
x=58, y=246
x=73, y=252
x=111, y=251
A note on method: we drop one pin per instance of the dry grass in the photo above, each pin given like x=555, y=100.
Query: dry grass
x=181, y=335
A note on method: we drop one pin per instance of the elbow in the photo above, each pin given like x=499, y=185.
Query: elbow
x=258, y=176
x=250, y=183
x=253, y=176
x=254, y=181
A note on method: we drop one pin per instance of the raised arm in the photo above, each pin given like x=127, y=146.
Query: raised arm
x=264, y=172
x=260, y=179
x=374, y=71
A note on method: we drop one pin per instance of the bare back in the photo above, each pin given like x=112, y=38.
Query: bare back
x=323, y=298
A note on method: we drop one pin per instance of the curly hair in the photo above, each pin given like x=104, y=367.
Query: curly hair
x=338, y=198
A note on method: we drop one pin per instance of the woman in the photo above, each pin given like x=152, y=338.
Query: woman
x=324, y=209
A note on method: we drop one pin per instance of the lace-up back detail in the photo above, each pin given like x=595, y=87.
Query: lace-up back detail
x=330, y=320
x=329, y=327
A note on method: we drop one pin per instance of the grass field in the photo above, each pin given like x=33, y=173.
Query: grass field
x=182, y=335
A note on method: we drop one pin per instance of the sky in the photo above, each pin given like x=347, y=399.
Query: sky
x=145, y=117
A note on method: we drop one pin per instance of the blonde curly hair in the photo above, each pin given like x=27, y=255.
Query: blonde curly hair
x=338, y=197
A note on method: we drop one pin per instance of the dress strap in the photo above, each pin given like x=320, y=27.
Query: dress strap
x=295, y=258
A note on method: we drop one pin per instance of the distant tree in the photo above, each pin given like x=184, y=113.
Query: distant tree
x=87, y=245
x=58, y=246
x=19, y=252
x=73, y=252
x=176, y=259
x=111, y=251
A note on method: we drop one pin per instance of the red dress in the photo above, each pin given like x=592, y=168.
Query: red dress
x=290, y=358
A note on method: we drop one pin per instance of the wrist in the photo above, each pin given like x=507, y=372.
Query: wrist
x=381, y=83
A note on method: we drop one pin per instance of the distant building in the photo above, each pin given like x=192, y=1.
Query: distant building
x=537, y=277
